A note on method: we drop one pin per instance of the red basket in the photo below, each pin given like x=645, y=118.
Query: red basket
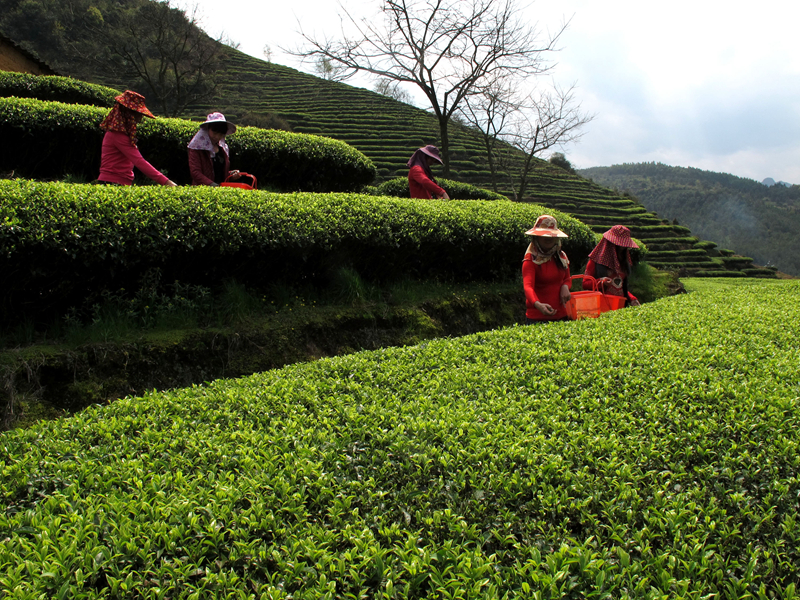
x=241, y=184
x=611, y=302
x=591, y=304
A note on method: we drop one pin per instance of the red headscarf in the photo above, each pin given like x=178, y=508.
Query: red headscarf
x=121, y=120
x=122, y=117
x=605, y=253
x=420, y=158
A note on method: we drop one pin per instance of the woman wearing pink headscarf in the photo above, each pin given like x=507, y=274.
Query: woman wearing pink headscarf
x=209, y=155
x=610, y=263
x=421, y=182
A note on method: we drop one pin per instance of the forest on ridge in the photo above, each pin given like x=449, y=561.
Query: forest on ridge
x=737, y=213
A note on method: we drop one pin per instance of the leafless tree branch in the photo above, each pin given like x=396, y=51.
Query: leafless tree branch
x=528, y=123
x=449, y=49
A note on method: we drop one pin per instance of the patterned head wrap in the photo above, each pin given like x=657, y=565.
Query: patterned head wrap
x=540, y=256
x=122, y=118
x=605, y=253
x=202, y=141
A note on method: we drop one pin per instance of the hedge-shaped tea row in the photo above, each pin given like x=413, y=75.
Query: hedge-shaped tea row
x=55, y=88
x=651, y=453
x=455, y=189
x=48, y=140
x=61, y=242
x=306, y=101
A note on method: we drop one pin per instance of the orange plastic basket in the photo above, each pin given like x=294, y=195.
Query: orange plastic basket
x=611, y=302
x=242, y=182
x=584, y=305
x=591, y=304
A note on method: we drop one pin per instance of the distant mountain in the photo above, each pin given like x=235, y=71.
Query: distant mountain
x=746, y=216
x=769, y=182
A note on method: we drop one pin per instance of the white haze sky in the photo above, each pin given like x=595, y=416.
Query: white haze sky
x=711, y=84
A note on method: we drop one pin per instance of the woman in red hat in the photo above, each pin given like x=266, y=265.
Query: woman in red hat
x=119, y=152
x=545, y=273
x=421, y=182
x=209, y=155
x=610, y=263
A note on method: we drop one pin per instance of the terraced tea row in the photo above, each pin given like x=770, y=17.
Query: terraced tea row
x=388, y=131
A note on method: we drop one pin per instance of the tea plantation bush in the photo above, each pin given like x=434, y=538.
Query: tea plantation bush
x=455, y=189
x=55, y=88
x=49, y=140
x=650, y=453
x=61, y=243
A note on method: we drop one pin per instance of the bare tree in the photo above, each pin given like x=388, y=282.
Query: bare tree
x=327, y=69
x=165, y=48
x=447, y=48
x=516, y=128
x=490, y=112
x=392, y=89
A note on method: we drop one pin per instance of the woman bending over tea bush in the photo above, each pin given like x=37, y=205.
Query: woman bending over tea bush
x=120, y=153
x=545, y=273
x=209, y=155
x=610, y=263
x=421, y=183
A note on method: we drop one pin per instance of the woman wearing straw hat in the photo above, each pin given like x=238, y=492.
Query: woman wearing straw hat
x=610, y=263
x=545, y=273
x=119, y=153
x=209, y=156
x=421, y=182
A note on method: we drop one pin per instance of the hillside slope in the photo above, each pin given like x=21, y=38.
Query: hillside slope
x=388, y=132
x=741, y=214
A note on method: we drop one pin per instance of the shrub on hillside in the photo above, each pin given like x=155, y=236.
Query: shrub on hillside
x=262, y=120
x=55, y=88
x=50, y=140
x=61, y=244
x=398, y=187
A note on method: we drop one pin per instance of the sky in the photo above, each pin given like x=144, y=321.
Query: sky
x=710, y=84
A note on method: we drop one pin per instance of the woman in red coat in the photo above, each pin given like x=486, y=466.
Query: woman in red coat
x=209, y=156
x=545, y=273
x=421, y=182
x=610, y=263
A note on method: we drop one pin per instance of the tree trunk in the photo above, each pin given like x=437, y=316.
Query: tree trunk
x=445, y=145
x=489, y=143
x=524, y=174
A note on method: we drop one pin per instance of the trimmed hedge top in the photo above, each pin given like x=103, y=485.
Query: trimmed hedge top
x=49, y=140
x=55, y=88
x=455, y=189
x=59, y=243
x=651, y=453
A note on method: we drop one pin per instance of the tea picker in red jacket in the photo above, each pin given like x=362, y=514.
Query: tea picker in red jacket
x=209, y=155
x=545, y=273
x=120, y=153
x=610, y=263
x=421, y=182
